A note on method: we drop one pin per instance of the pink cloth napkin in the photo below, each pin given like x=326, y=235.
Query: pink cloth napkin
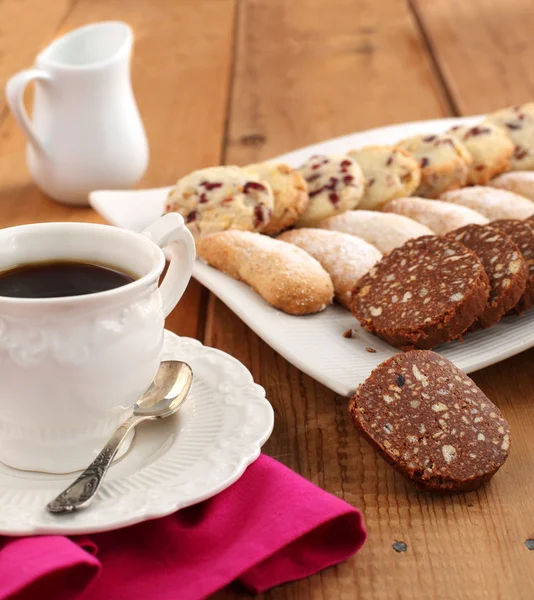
x=270, y=527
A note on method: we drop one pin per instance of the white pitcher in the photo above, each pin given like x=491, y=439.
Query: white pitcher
x=86, y=131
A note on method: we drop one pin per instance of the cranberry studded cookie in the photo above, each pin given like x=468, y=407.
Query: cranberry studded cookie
x=518, y=182
x=290, y=194
x=390, y=172
x=385, y=231
x=344, y=257
x=221, y=198
x=444, y=163
x=431, y=423
x=504, y=264
x=490, y=148
x=441, y=217
x=335, y=184
x=491, y=202
x=424, y=293
x=285, y=276
x=518, y=122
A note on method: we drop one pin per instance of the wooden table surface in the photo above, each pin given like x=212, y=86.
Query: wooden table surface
x=229, y=81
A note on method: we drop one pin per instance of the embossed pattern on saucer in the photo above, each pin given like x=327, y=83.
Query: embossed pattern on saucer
x=172, y=463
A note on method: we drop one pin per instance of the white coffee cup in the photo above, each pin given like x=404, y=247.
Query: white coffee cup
x=72, y=368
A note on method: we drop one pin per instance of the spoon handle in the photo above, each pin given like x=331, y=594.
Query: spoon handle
x=81, y=493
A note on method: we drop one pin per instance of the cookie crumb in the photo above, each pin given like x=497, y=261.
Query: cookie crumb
x=348, y=334
x=372, y=350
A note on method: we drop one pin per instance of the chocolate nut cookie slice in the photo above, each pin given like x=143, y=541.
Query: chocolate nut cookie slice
x=390, y=172
x=335, y=184
x=491, y=202
x=518, y=122
x=430, y=290
x=489, y=147
x=221, y=198
x=431, y=423
x=504, y=264
x=522, y=232
x=444, y=163
x=290, y=194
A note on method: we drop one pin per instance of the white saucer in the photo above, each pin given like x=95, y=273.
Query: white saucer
x=171, y=464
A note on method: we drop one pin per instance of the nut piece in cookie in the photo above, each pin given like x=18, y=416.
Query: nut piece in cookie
x=441, y=217
x=491, y=202
x=522, y=233
x=518, y=182
x=344, y=257
x=431, y=423
x=335, y=184
x=221, y=198
x=444, y=163
x=429, y=291
x=490, y=148
x=518, y=122
x=385, y=231
x=390, y=172
x=290, y=194
x=504, y=264
x=287, y=277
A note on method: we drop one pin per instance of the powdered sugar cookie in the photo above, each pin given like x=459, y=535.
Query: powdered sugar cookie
x=221, y=198
x=344, y=257
x=441, y=217
x=290, y=194
x=444, y=163
x=385, y=231
x=389, y=172
x=518, y=182
x=518, y=122
x=286, y=276
x=489, y=147
x=491, y=202
x=335, y=184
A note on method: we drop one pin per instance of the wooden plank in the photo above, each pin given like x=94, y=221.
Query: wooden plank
x=181, y=80
x=306, y=71
x=484, y=50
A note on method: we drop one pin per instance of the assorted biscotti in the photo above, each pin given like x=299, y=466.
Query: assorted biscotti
x=221, y=198
x=335, y=184
x=491, y=202
x=444, y=162
x=286, y=276
x=290, y=193
x=505, y=267
x=390, y=172
x=441, y=217
x=522, y=233
x=383, y=230
x=428, y=291
x=344, y=257
x=518, y=123
x=431, y=423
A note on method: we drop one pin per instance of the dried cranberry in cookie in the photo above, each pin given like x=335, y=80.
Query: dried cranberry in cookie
x=504, y=265
x=389, y=172
x=335, y=184
x=426, y=292
x=518, y=122
x=221, y=198
x=489, y=147
x=444, y=162
x=431, y=423
x=491, y=202
x=518, y=182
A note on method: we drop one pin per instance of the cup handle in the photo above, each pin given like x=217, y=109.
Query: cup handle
x=170, y=230
x=15, y=88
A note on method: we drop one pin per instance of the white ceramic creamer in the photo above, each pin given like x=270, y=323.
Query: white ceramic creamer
x=86, y=132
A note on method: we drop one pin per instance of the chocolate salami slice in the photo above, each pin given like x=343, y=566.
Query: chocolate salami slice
x=431, y=423
x=504, y=265
x=522, y=232
x=428, y=291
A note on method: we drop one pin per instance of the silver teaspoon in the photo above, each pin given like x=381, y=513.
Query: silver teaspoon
x=162, y=399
